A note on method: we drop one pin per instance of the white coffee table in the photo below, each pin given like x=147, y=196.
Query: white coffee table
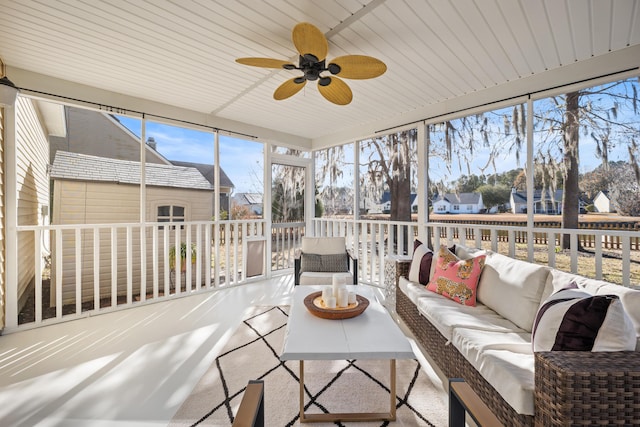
x=371, y=335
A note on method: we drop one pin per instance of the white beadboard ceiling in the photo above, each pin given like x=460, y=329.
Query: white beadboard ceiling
x=181, y=52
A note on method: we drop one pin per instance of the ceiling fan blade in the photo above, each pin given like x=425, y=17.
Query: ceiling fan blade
x=308, y=39
x=263, y=62
x=288, y=89
x=359, y=66
x=336, y=91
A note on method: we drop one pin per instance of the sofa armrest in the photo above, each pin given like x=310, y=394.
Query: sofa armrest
x=402, y=269
x=599, y=388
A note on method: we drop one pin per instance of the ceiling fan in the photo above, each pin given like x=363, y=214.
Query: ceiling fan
x=312, y=46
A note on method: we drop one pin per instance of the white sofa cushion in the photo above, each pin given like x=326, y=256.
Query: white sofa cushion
x=510, y=352
x=512, y=288
x=512, y=376
x=446, y=315
x=413, y=290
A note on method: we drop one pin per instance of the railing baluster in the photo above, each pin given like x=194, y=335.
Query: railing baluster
x=59, y=258
x=96, y=268
x=207, y=258
x=38, y=279
x=78, y=243
x=154, y=258
x=198, y=256
x=114, y=267
x=598, y=256
x=167, y=267
x=187, y=259
x=227, y=255
x=129, y=264
x=626, y=261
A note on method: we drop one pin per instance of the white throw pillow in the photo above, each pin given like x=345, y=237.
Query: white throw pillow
x=512, y=288
x=574, y=320
x=421, y=261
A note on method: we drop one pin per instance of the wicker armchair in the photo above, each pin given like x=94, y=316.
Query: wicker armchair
x=322, y=257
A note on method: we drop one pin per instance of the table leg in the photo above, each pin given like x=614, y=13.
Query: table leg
x=352, y=416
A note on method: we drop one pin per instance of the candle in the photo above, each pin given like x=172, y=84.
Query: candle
x=327, y=292
x=336, y=283
x=343, y=297
x=352, y=297
x=331, y=302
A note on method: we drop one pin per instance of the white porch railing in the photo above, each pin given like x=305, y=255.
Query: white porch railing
x=100, y=268
x=608, y=255
x=96, y=268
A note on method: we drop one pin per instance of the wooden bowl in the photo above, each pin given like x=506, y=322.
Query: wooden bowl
x=314, y=304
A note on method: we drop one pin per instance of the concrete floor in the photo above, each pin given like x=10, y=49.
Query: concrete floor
x=129, y=368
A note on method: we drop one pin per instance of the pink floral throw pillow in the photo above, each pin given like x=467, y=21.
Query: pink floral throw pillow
x=456, y=279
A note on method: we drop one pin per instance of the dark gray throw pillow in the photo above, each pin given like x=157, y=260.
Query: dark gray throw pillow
x=334, y=263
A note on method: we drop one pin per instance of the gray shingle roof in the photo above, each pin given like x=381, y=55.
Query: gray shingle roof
x=83, y=167
x=208, y=171
x=460, y=199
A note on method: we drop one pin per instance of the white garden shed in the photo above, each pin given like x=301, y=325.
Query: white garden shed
x=97, y=190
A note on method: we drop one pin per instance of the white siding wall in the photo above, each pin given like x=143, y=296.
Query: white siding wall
x=32, y=152
x=77, y=202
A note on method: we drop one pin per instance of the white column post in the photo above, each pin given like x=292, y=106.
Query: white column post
x=11, y=219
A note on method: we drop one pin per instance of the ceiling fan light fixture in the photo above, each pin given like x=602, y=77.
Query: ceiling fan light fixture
x=312, y=47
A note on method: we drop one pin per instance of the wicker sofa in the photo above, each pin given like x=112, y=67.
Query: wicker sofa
x=558, y=388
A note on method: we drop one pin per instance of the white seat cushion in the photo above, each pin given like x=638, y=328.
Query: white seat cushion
x=446, y=315
x=413, y=290
x=473, y=342
x=322, y=278
x=505, y=360
x=512, y=375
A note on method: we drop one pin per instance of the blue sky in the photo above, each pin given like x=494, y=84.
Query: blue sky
x=240, y=159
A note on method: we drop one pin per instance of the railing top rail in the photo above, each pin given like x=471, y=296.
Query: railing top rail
x=133, y=224
x=498, y=227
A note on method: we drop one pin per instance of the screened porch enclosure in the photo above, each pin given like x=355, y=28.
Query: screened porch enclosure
x=93, y=239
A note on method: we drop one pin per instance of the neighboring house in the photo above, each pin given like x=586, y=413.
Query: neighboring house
x=252, y=201
x=100, y=134
x=384, y=205
x=544, y=202
x=470, y=203
x=602, y=202
x=208, y=171
x=96, y=190
x=32, y=188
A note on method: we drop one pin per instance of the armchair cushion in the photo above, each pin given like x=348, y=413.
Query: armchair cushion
x=336, y=263
x=323, y=245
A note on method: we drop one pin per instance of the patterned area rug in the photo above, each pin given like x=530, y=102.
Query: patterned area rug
x=331, y=386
